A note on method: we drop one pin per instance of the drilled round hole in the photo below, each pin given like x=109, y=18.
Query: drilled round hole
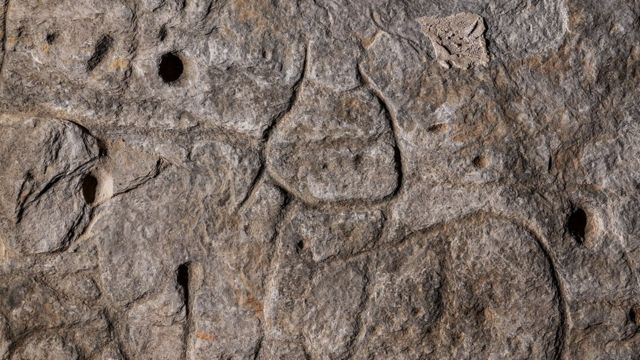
x=577, y=224
x=89, y=188
x=170, y=67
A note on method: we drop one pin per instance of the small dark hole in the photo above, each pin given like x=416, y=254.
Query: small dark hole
x=89, y=188
x=577, y=224
x=357, y=160
x=162, y=34
x=170, y=68
x=99, y=52
x=633, y=316
x=437, y=128
x=299, y=246
x=477, y=161
x=182, y=279
x=480, y=162
x=51, y=38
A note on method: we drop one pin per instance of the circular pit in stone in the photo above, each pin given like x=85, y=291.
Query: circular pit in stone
x=170, y=67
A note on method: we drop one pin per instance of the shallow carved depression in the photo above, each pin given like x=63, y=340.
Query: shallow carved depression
x=349, y=138
x=283, y=180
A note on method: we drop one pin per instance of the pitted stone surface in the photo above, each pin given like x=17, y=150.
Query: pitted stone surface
x=313, y=179
x=457, y=39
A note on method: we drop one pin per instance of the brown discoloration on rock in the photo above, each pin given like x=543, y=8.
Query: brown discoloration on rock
x=205, y=336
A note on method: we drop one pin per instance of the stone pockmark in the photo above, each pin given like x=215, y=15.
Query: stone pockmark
x=170, y=67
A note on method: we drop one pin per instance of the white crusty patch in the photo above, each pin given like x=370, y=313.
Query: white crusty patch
x=457, y=39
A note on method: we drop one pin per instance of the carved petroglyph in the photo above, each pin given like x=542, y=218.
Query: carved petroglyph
x=255, y=179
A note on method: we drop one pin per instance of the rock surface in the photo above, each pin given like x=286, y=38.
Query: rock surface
x=319, y=179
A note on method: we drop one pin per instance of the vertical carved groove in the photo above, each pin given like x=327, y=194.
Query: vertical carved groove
x=188, y=280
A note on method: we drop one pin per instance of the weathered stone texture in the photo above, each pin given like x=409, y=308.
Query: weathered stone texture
x=274, y=179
